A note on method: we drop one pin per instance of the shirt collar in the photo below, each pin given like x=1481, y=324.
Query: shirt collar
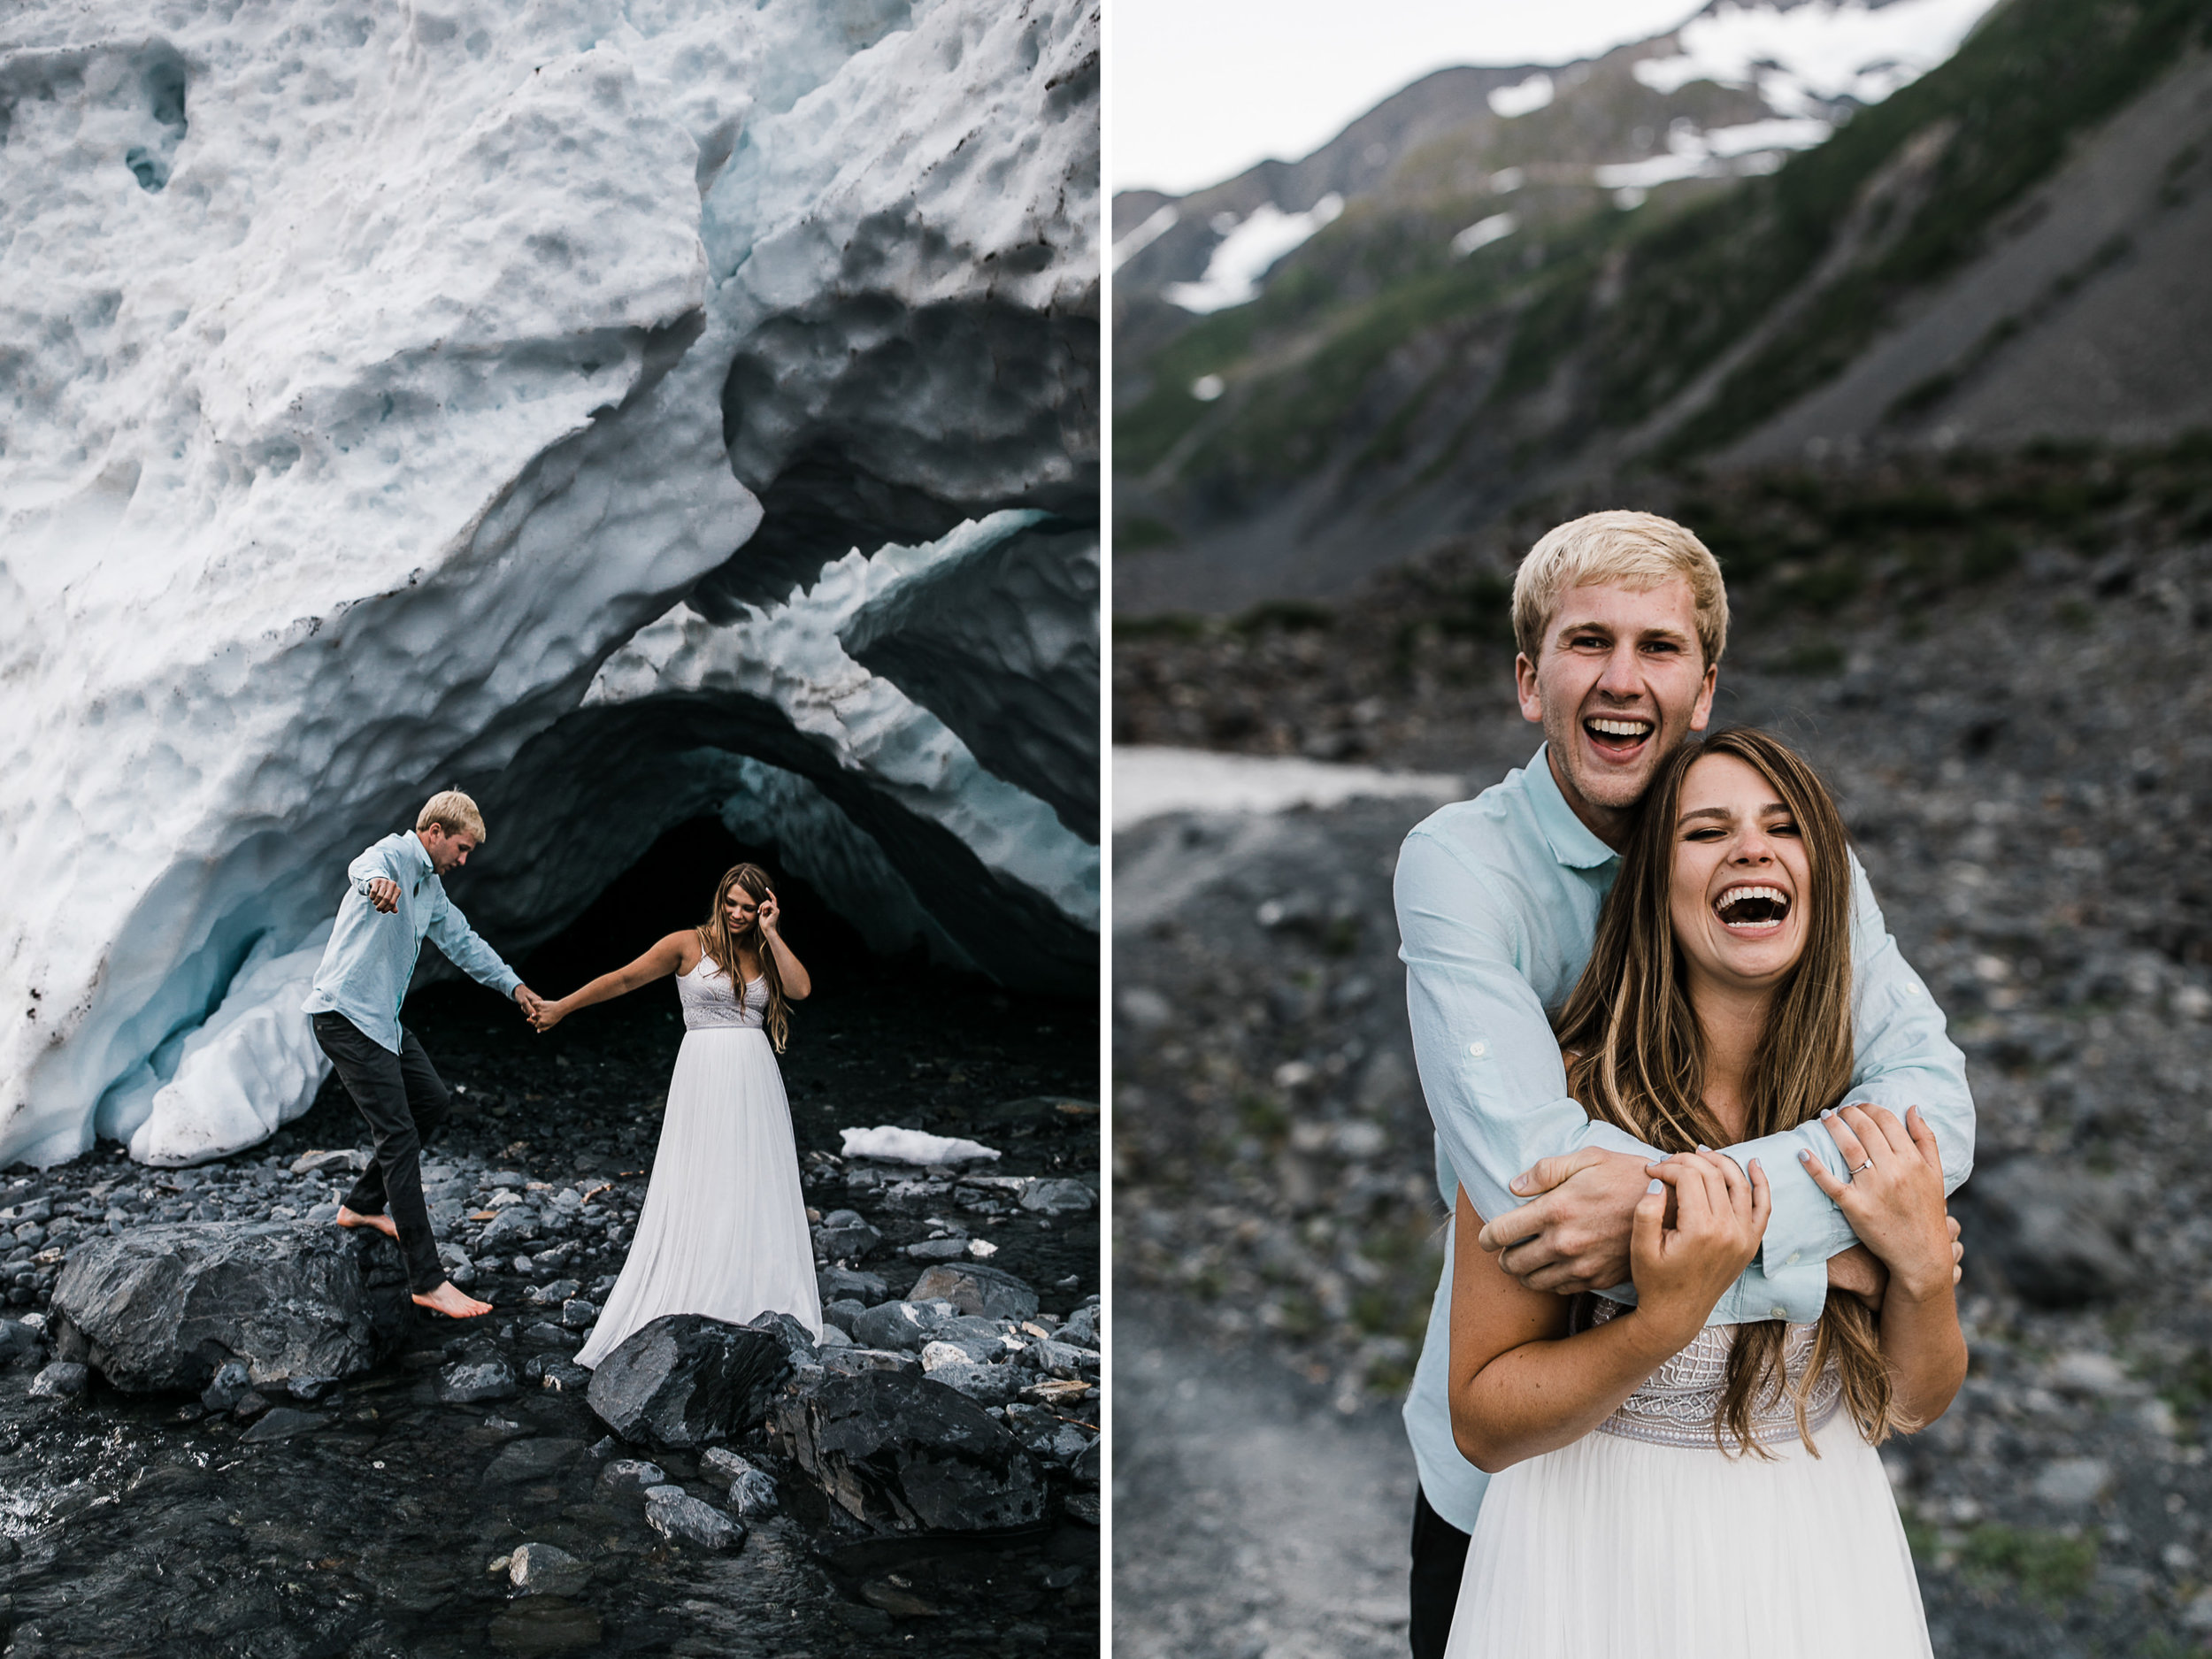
x=1571, y=841
x=422, y=853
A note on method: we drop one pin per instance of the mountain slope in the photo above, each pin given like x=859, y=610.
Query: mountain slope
x=1733, y=321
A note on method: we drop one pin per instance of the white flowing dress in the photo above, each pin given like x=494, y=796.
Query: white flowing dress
x=1643, y=1540
x=724, y=1230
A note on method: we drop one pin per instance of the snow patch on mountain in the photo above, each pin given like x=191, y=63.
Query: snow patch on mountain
x=1804, y=58
x=1247, y=250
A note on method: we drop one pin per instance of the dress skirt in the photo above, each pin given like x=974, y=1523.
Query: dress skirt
x=1621, y=1548
x=724, y=1229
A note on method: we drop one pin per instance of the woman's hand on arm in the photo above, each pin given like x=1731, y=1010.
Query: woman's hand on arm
x=1894, y=1203
x=664, y=958
x=797, y=984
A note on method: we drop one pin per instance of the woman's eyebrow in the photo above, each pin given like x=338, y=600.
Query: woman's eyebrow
x=1720, y=812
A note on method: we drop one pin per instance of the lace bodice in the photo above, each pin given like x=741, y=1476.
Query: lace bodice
x=709, y=1003
x=1677, y=1403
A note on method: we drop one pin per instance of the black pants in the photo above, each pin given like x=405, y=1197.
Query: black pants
x=1439, y=1556
x=404, y=1101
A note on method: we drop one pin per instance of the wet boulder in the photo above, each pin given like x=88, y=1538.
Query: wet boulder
x=989, y=1293
x=544, y=1570
x=845, y=1236
x=166, y=1307
x=902, y=1453
x=686, y=1380
x=752, y=1490
x=682, y=1518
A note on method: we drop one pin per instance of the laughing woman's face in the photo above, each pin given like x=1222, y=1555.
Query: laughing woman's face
x=739, y=910
x=1742, y=882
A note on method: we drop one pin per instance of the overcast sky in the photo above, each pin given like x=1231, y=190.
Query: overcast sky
x=1203, y=88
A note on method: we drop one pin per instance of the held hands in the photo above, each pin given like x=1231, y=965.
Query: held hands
x=1720, y=1215
x=384, y=894
x=545, y=1015
x=1894, y=1197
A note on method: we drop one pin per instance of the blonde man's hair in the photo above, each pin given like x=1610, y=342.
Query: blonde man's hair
x=454, y=813
x=1639, y=550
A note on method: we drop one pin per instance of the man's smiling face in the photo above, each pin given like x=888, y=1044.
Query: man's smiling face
x=1620, y=681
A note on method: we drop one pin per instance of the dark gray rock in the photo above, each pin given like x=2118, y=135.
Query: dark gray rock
x=510, y=1227
x=250, y=1405
x=1082, y=1326
x=64, y=1379
x=533, y=1460
x=2057, y=1235
x=1058, y=1198
x=838, y=1282
x=686, y=1381
x=561, y=1375
x=17, y=1341
x=798, y=1341
x=579, y=1314
x=228, y=1387
x=676, y=1514
x=464, y=1382
x=989, y=1292
x=543, y=1570
x=984, y=1384
x=937, y=1249
x=846, y=1236
x=899, y=1325
x=902, y=1453
x=280, y=1423
x=630, y=1476
x=752, y=1490
x=166, y=1307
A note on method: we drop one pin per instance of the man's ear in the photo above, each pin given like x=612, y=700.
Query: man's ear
x=1533, y=699
x=1702, y=714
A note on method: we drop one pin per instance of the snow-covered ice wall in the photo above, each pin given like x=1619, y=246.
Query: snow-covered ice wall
x=529, y=399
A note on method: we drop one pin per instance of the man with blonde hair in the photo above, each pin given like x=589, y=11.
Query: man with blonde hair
x=395, y=900
x=1621, y=619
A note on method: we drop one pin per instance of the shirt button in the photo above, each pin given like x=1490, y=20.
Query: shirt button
x=1793, y=1256
x=1779, y=1312
x=1478, y=1050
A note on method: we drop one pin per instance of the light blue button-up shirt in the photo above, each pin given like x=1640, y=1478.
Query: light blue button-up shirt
x=1498, y=902
x=370, y=955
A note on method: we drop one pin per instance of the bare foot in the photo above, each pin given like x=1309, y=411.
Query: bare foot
x=449, y=1302
x=384, y=1224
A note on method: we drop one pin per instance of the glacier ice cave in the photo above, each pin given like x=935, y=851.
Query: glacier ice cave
x=632, y=411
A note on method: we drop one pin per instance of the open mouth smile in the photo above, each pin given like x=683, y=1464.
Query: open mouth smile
x=1618, y=738
x=1752, y=909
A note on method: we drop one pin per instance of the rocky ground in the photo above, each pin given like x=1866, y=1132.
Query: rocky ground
x=2023, y=762
x=385, y=1514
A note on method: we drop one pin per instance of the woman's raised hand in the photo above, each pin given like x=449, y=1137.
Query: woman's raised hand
x=769, y=912
x=1720, y=1215
x=1893, y=1199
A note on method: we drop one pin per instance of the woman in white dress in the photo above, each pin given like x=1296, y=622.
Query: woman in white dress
x=724, y=1229
x=1665, y=1489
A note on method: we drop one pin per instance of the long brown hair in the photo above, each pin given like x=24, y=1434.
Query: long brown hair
x=1637, y=1052
x=722, y=946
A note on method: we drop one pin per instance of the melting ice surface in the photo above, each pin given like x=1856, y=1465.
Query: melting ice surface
x=389, y=390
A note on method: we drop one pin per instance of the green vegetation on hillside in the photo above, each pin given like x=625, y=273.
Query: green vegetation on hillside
x=1603, y=319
